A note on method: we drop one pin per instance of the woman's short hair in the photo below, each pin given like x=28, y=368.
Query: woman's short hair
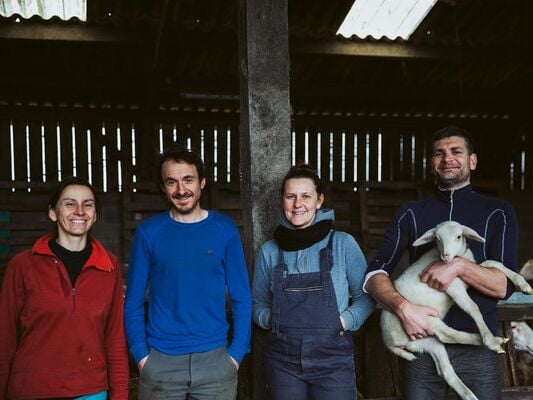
x=302, y=170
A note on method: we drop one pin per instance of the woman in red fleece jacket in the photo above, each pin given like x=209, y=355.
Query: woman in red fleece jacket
x=61, y=310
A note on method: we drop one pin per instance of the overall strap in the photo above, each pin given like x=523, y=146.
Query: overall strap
x=326, y=263
x=326, y=255
x=280, y=270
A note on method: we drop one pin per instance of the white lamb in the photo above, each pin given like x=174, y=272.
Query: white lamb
x=451, y=242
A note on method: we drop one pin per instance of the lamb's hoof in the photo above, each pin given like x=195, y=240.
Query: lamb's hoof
x=528, y=291
x=500, y=351
x=495, y=343
x=505, y=340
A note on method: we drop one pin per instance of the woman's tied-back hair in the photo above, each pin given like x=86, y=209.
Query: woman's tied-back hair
x=453, y=130
x=69, y=181
x=178, y=155
x=302, y=170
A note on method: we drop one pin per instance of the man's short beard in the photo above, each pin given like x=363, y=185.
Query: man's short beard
x=186, y=211
x=447, y=183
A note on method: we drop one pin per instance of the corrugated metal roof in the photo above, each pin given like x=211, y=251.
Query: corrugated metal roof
x=45, y=9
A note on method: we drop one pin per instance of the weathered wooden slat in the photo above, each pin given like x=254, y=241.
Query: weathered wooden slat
x=195, y=135
x=96, y=153
x=312, y=146
x=25, y=226
x=510, y=312
x=222, y=148
x=509, y=370
x=51, y=150
x=235, y=149
x=19, y=147
x=300, y=144
x=5, y=150
x=35, y=150
x=113, y=155
x=349, y=160
x=65, y=148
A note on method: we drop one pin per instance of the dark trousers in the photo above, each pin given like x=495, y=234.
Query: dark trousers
x=198, y=376
x=310, y=367
x=477, y=366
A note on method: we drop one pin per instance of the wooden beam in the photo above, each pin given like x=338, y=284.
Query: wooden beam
x=338, y=47
x=264, y=133
x=345, y=47
x=72, y=33
x=367, y=49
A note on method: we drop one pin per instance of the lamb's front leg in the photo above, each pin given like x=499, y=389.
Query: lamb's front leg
x=457, y=291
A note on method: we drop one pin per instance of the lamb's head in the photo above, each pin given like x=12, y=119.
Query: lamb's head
x=522, y=336
x=450, y=237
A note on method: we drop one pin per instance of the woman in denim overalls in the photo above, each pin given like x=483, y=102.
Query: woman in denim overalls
x=307, y=290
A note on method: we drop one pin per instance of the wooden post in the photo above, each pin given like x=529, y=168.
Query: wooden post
x=265, y=137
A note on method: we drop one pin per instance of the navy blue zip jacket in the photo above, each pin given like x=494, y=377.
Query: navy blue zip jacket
x=492, y=218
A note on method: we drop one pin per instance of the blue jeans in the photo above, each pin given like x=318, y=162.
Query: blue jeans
x=197, y=376
x=477, y=366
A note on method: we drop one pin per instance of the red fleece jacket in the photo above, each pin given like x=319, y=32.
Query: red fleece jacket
x=57, y=340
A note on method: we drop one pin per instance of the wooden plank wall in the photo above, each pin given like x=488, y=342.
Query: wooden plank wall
x=356, y=159
x=110, y=148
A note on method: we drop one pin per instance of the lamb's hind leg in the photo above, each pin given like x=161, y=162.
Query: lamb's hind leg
x=438, y=353
x=450, y=335
x=457, y=292
x=518, y=280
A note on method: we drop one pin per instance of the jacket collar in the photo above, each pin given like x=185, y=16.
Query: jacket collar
x=456, y=194
x=99, y=257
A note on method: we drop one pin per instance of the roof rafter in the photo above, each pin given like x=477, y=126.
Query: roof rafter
x=402, y=50
x=82, y=33
x=71, y=33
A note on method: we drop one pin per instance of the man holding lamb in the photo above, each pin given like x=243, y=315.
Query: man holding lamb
x=452, y=161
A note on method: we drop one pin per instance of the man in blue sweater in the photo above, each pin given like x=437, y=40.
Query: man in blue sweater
x=453, y=159
x=190, y=259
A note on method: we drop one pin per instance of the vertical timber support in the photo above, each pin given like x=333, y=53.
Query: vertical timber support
x=265, y=135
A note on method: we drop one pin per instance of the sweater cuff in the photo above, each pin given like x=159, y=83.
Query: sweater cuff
x=349, y=321
x=138, y=352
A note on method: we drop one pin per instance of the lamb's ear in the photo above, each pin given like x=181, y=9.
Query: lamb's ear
x=427, y=237
x=472, y=234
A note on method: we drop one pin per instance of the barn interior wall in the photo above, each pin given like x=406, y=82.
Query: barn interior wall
x=350, y=155
x=38, y=147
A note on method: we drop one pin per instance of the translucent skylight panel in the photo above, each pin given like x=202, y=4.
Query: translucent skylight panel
x=385, y=18
x=64, y=9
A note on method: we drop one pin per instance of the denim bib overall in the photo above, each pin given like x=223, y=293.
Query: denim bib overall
x=308, y=355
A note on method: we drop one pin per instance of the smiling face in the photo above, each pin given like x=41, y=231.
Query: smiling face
x=300, y=201
x=451, y=163
x=74, y=212
x=182, y=186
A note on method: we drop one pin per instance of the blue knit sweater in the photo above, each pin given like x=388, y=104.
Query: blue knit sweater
x=189, y=268
x=494, y=219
